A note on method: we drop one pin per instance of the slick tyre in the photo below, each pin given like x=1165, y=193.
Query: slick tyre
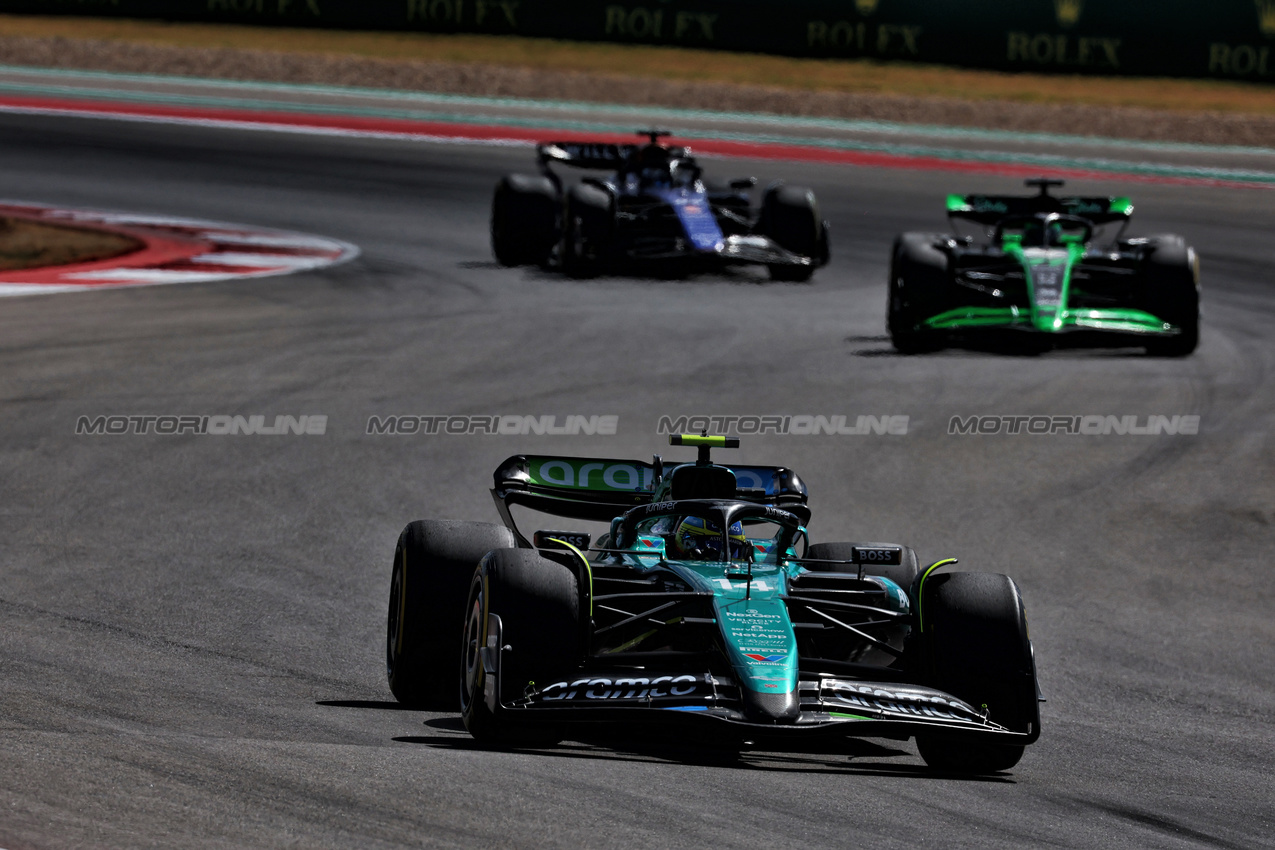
x=433, y=563
x=524, y=220
x=790, y=218
x=975, y=645
x=588, y=228
x=534, y=602
x=918, y=289
x=901, y=574
x=1171, y=290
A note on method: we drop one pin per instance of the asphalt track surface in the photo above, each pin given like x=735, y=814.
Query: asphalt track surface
x=193, y=626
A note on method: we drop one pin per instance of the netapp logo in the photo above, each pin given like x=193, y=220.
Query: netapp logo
x=1091, y=425
x=640, y=688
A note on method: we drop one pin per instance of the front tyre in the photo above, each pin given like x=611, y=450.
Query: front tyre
x=588, y=228
x=433, y=562
x=1172, y=292
x=522, y=628
x=975, y=647
x=918, y=283
x=790, y=218
x=524, y=220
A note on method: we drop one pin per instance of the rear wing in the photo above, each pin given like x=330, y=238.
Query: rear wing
x=990, y=209
x=600, y=489
x=595, y=155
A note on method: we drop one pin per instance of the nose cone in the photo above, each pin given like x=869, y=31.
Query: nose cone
x=771, y=708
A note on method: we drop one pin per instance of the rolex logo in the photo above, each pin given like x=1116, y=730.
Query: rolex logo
x=1068, y=11
x=867, y=7
x=1266, y=16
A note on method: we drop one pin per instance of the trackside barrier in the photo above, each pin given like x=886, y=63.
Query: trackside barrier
x=1230, y=39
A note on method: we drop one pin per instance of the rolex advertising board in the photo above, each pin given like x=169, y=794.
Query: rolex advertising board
x=1230, y=39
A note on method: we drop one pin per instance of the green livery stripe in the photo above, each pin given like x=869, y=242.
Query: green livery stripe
x=1131, y=321
x=700, y=440
x=840, y=715
x=588, y=568
x=629, y=644
x=1119, y=321
x=614, y=476
x=920, y=587
x=976, y=317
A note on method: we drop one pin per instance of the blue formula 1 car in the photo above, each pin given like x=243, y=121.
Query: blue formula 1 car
x=651, y=207
x=703, y=609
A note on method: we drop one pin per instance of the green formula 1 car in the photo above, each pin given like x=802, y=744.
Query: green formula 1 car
x=1057, y=268
x=704, y=609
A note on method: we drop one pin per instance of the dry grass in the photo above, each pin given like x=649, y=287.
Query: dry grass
x=27, y=244
x=676, y=64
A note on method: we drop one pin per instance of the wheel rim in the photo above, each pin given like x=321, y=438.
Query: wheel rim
x=471, y=658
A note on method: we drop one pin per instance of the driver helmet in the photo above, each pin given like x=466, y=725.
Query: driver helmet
x=700, y=539
x=1054, y=234
x=653, y=162
x=1033, y=232
x=653, y=156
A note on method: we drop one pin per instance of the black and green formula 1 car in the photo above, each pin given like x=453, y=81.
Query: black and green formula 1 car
x=1057, y=268
x=703, y=611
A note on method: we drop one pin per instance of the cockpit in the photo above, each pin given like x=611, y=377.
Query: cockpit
x=1043, y=230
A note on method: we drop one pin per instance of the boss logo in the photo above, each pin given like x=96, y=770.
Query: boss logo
x=557, y=539
x=877, y=555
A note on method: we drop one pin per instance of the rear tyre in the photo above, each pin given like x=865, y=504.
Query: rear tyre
x=433, y=563
x=918, y=286
x=1172, y=292
x=589, y=222
x=524, y=220
x=901, y=574
x=790, y=218
x=537, y=603
x=975, y=645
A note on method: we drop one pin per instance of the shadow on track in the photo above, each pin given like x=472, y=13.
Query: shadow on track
x=863, y=757
x=1027, y=348
x=647, y=746
x=673, y=274
x=379, y=705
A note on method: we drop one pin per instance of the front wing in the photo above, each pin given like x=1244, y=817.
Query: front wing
x=829, y=705
x=1114, y=321
x=734, y=249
